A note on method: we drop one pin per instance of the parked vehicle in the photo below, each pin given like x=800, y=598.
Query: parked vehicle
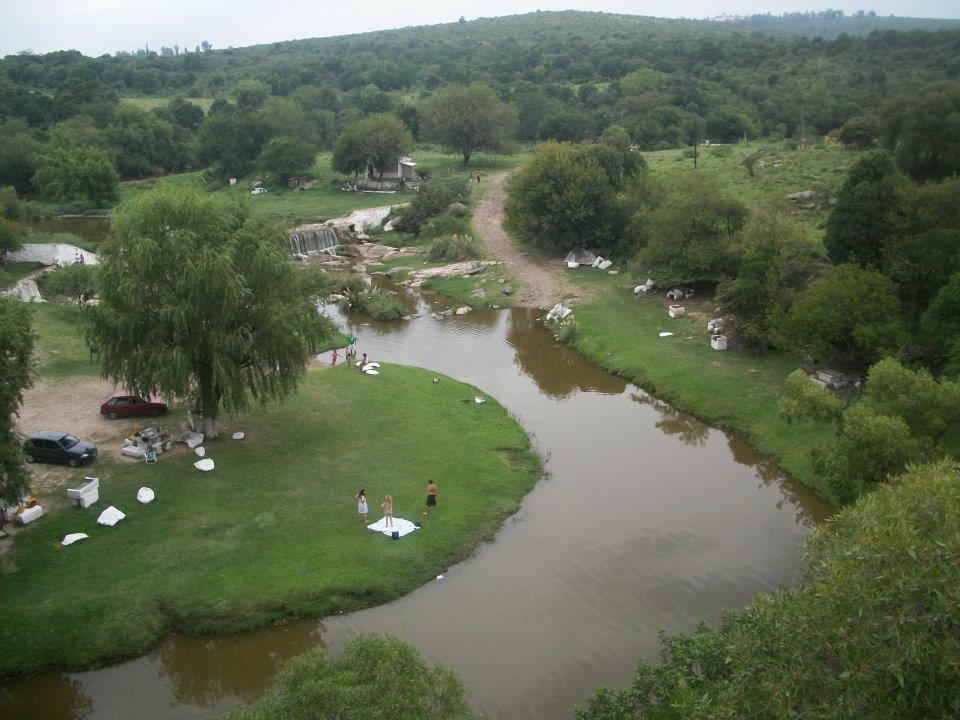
x=59, y=447
x=258, y=191
x=124, y=404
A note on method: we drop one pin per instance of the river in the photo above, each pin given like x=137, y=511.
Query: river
x=647, y=519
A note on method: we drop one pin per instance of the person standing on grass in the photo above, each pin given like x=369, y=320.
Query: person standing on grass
x=431, y=494
x=334, y=357
x=387, y=506
x=362, y=505
x=363, y=361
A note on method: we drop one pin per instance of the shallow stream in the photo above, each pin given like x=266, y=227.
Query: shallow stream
x=648, y=519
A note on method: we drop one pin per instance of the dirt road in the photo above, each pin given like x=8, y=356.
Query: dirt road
x=543, y=287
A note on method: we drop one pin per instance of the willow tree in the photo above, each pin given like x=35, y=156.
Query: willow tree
x=16, y=375
x=198, y=300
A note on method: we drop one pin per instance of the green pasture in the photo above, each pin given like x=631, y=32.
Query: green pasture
x=273, y=531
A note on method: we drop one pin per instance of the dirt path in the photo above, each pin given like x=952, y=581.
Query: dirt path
x=543, y=285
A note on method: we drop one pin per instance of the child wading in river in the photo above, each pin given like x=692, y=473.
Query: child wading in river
x=387, y=506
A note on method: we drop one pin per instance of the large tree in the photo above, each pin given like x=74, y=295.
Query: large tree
x=81, y=172
x=16, y=375
x=19, y=152
x=776, y=261
x=376, y=678
x=379, y=140
x=198, y=300
x=866, y=206
x=850, y=317
x=924, y=131
x=467, y=118
x=561, y=199
x=233, y=141
x=689, y=236
x=144, y=144
x=285, y=157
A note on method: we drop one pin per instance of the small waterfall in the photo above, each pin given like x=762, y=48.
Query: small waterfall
x=312, y=240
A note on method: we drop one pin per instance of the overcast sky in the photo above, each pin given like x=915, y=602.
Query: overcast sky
x=103, y=26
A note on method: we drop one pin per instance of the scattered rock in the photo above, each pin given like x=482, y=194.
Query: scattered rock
x=802, y=195
x=507, y=290
x=559, y=312
x=396, y=270
x=463, y=310
x=605, y=264
x=467, y=267
x=612, y=272
x=479, y=293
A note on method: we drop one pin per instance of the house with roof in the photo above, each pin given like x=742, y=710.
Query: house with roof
x=403, y=169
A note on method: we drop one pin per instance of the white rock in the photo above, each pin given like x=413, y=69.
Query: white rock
x=463, y=310
x=605, y=264
x=479, y=400
x=371, y=371
x=238, y=436
x=666, y=334
x=206, y=465
x=573, y=265
x=110, y=517
x=72, y=538
x=145, y=495
x=596, y=261
x=200, y=451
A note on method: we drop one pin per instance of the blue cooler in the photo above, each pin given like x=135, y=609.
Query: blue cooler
x=395, y=534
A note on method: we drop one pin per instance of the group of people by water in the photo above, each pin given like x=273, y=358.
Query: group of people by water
x=387, y=504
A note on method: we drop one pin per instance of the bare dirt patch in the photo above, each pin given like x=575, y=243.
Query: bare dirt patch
x=544, y=286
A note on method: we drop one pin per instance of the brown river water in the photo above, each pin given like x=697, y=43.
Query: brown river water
x=647, y=519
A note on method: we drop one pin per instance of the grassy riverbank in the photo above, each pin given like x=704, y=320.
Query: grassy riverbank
x=272, y=532
x=732, y=389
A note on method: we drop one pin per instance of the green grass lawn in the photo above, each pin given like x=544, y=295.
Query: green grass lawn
x=18, y=270
x=273, y=531
x=733, y=389
x=325, y=199
x=779, y=171
x=59, y=350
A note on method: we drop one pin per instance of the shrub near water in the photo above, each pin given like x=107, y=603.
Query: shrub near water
x=378, y=304
x=376, y=677
x=453, y=248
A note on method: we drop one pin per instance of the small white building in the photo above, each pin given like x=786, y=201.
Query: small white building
x=403, y=169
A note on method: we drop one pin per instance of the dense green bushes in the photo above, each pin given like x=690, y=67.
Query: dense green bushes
x=873, y=631
x=376, y=677
x=433, y=200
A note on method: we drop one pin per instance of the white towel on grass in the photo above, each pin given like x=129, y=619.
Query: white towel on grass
x=404, y=527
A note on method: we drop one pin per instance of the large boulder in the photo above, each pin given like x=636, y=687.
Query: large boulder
x=580, y=256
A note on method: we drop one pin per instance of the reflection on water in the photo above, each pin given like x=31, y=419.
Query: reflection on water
x=557, y=370
x=50, y=696
x=675, y=422
x=650, y=520
x=90, y=229
x=198, y=675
